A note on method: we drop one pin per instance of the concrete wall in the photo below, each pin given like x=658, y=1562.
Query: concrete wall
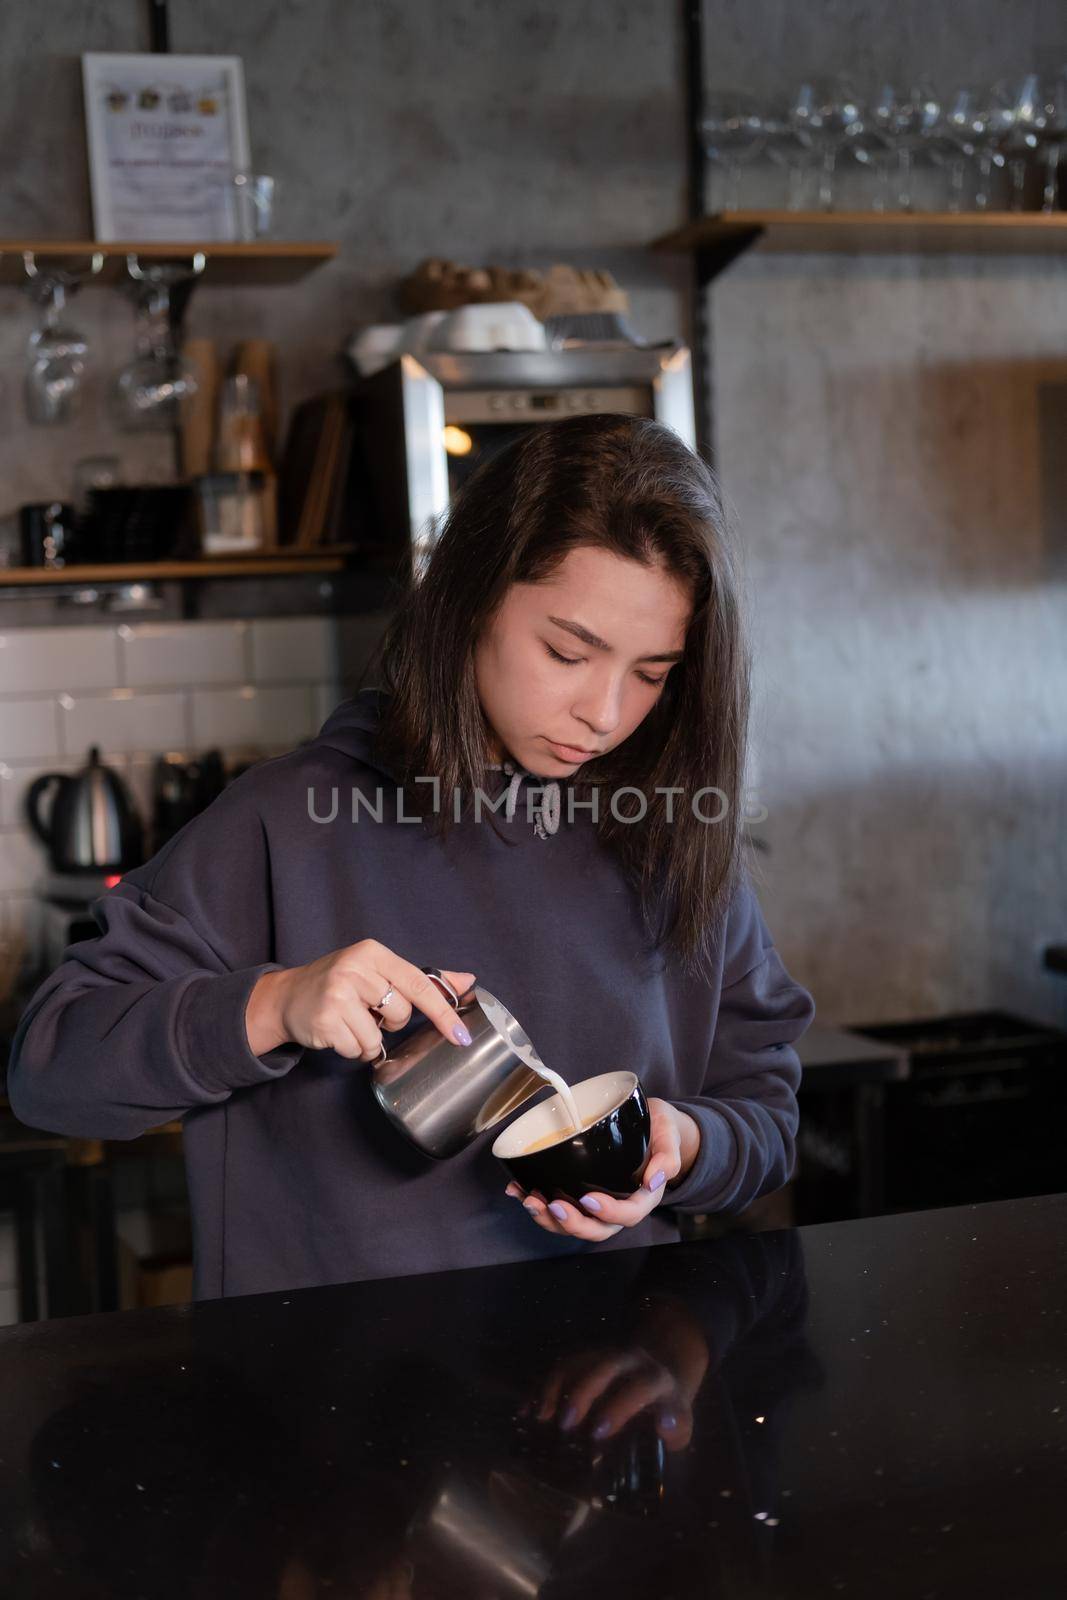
x=882, y=430
x=892, y=433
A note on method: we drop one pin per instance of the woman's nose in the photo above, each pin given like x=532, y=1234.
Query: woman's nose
x=599, y=708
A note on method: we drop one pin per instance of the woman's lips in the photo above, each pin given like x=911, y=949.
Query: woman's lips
x=570, y=752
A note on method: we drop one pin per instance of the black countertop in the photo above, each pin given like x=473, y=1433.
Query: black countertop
x=873, y=1408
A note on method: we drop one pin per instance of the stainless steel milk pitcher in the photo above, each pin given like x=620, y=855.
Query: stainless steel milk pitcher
x=442, y=1096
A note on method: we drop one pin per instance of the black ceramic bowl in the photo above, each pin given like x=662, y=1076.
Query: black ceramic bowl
x=608, y=1156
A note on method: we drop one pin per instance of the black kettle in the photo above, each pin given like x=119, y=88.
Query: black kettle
x=93, y=825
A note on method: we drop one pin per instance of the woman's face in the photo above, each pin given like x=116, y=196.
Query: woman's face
x=553, y=697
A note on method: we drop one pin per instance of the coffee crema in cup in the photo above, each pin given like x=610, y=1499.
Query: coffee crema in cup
x=547, y=1139
x=544, y=1151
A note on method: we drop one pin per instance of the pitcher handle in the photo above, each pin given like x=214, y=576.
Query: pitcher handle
x=446, y=989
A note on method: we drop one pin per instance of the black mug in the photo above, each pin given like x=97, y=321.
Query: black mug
x=542, y=1152
x=48, y=534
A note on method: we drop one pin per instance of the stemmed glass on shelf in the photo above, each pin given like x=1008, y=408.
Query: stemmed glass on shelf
x=906, y=116
x=975, y=121
x=825, y=114
x=874, y=150
x=972, y=132
x=1053, y=138
x=787, y=147
x=732, y=129
x=1039, y=124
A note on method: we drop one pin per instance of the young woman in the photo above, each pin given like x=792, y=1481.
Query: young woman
x=572, y=656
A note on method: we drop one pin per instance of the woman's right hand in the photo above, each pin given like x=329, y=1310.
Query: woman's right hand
x=331, y=1004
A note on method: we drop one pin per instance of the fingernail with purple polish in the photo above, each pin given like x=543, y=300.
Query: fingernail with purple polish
x=569, y=1417
x=657, y=1181
x=460, y=1034
x=558, y=1211
x=668, y=1421
x=602, y=1429
x=590, y=1202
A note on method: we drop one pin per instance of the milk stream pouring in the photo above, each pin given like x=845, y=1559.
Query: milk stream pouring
x=441, y=1097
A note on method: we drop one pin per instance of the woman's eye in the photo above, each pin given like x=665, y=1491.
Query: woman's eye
x=573, y=661
x=570, y=661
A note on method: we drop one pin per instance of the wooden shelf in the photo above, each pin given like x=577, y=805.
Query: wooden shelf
x=216, y=567
x=269, y=262
x=718, y=239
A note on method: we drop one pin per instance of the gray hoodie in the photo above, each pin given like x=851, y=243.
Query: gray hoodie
x=295, y=1178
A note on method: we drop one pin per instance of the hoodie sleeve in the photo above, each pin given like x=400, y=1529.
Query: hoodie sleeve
x=747, y=1112
x=146, y=1021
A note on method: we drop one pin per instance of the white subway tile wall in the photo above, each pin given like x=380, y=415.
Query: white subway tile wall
x=124, y=719
x=34, y=660
x=292, y=649
x=29, y=729
x=252, y=688
x=162, y=654
x=240, y=717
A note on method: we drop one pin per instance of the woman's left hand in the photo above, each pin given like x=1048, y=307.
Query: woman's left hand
x=672, y=1150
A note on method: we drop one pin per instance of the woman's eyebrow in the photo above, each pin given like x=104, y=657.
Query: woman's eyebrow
x=599, y=644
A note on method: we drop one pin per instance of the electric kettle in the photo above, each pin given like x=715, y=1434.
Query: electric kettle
x=93, y=825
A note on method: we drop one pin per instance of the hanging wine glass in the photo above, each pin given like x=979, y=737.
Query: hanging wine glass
x=732, y=129
x=57, y=353
x=826, y=113
x=148, y=392
x=906, y=116
x=56, y=360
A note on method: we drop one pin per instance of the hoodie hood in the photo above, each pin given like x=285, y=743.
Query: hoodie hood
x=351, y=727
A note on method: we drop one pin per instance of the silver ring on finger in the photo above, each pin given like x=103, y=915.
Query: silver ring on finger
x=386, y=997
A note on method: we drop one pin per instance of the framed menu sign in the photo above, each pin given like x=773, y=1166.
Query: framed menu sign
x=166, y=135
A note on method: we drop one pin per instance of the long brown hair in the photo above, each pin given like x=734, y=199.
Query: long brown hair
x=630, y=486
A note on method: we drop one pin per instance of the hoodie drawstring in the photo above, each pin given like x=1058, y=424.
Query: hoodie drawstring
x=547, y=810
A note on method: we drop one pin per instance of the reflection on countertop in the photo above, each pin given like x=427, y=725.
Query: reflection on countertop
x=873, y=1408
